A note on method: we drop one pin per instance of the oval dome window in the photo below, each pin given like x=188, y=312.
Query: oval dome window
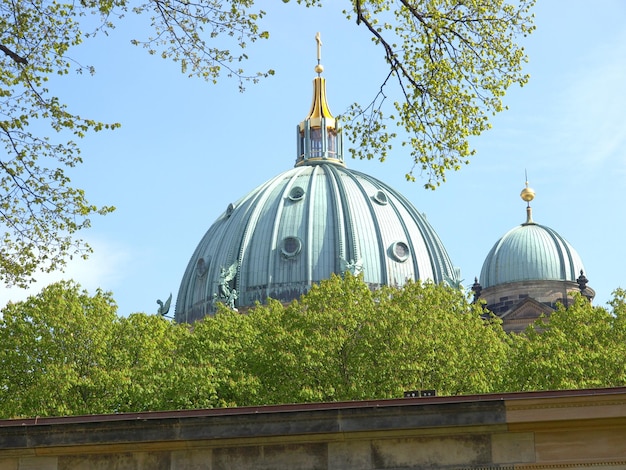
x=296, y=193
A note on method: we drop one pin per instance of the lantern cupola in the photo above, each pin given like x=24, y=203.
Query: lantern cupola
x=319, y=136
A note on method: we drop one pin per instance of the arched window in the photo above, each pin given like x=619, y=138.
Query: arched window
x=316, y=142
x=332, y=142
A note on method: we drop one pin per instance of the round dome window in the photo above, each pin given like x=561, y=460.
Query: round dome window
x=291, y=247
x=296, y=193
x=400, y=251
x=381, y=198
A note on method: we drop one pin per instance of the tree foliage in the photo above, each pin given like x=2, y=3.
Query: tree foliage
x=343, y=341
x=450, y=63
x=54, y=353
x=40, y=212
x=64, y=352
x=581, y=346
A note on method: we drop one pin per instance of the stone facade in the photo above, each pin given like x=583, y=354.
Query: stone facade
x=583, y=429
x=521, y=303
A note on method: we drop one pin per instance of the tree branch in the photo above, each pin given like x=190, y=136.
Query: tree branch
x=17, y=58
x=392, y=58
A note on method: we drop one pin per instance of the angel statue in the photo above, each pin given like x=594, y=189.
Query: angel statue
x=455, y=283
x=354, y=267
x=227, y=293
x=231, y=299
x=164, y=308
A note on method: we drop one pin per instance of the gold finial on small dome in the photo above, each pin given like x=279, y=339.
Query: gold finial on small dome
x=528, y=194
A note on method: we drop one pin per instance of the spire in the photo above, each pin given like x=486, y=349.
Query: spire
x=528, y=194
x=319, y=137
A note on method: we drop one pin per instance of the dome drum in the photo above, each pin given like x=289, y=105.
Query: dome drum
x=501, y=298
x=319, y=143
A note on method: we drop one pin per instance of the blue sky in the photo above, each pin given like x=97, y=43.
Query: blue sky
x=188, y=148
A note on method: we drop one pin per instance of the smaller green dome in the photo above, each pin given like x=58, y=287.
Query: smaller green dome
x=530, y=252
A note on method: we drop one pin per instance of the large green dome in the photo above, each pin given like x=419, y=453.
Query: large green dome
x=307, y=223
x=300, y=227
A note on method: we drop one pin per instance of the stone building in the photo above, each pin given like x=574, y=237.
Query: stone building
x=571, y=429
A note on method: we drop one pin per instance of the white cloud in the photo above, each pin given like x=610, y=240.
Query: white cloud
x=103, y=269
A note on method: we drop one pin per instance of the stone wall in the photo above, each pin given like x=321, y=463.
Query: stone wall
x=502, y=298
x=566, y=429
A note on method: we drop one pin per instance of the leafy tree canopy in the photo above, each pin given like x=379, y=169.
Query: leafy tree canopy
x=450, y=62
x=343, y=341
x=64, y=352
x=581, y=346
x=55, y=353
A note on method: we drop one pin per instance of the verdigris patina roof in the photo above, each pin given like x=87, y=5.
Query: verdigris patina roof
x=300, y=227
x=307, y=223
x=528, y=252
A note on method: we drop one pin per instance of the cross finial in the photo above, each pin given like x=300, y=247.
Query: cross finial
x=318, y=38
x=319, y=68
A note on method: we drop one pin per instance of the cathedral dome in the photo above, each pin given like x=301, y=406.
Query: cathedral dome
x=307, y=223
x=529, y=272
x=300, y=227
x=530, y=252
